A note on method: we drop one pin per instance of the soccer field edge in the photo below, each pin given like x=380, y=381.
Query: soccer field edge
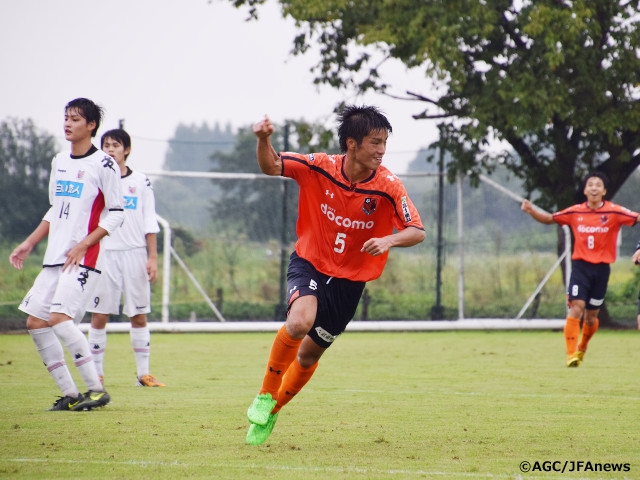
x=354, y=326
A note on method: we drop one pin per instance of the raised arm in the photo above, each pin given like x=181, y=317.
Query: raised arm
x=268, y=159
x=537, y=214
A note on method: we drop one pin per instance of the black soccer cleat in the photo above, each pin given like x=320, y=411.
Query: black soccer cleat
x=92, y=400
x=67, y=403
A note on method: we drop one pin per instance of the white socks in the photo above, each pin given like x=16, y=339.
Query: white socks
x=51, y=352
x=98, y=343
x=141, y=341
x=77, y=345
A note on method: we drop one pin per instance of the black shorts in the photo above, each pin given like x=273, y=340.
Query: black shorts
x=338, y=298
x=589, y=282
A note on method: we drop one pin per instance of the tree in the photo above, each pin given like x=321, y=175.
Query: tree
x=555, y=79
x=254, y=207
x=25, y=164
x=191, y=147
x=184, y=201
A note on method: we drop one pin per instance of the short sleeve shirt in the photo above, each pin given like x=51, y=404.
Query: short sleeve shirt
x=335, y=218
x=595, y=231
x=82, y=192
x=139, y=213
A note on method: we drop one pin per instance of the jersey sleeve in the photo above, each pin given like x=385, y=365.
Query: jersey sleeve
x=111, y=190
x=629, y=217
x=406, y=212
x=561, y=217
x=296, y=165
x=149, y=208
x=409, y=216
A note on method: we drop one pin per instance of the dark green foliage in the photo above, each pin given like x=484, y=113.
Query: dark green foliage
x=255, y=207
x=25, y=164
x=557, y=81
x=189, y=245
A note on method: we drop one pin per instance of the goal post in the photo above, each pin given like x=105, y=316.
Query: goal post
x=167, y=253
x=418, y=184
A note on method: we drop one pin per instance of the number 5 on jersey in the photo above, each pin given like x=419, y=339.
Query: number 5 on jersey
x=339, y=244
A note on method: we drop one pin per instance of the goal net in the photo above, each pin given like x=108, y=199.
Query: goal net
x=482, y=259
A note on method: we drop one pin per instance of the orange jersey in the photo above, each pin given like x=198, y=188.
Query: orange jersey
x=335, y=218
x=595, y=232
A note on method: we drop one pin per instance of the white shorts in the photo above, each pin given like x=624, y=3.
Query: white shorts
x=124, y=276
x=55, y=291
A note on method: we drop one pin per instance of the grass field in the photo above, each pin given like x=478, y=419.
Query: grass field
x=443, y=405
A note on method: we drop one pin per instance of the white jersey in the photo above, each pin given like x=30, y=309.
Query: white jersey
x=84, y=193
x=139, y=213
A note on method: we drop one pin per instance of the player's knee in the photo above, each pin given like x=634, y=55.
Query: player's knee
x=307, y=358
x=299, y=325
x=139, y=321
x=99, y=320
x=307, y=361
x=576, y=309
x=34, y=323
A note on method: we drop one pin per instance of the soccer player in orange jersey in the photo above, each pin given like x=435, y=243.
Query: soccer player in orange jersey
x=351, y=211
x=595, y=225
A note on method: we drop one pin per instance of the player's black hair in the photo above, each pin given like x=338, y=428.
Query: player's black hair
x=119, y=135
x=89, y=110
x=358, y=122
x=597, y=174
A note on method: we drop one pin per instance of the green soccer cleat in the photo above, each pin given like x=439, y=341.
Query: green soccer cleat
x=258, y=434
x=93, y=400
x=66, y=403
x=576, y=359
x=260, y=410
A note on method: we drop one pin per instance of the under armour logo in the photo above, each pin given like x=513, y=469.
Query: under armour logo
x=391, y=178
x=328, y=193
x=277, y=372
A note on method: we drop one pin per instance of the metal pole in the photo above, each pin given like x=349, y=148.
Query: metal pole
x=460, y=251
x=166, y=268
x=437, y=312
x=281, y=308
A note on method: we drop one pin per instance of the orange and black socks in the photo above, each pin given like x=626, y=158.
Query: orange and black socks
x=587, y=332
x=571, y=334
x=283, y=352
x=293, y=381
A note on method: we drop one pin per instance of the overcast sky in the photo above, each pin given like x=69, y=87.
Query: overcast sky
x=159, y=63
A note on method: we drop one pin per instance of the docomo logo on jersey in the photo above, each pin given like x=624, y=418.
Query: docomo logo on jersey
x=345, y=222
x=585, y=229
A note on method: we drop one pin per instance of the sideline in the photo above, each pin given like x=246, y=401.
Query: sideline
x=354, y=326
